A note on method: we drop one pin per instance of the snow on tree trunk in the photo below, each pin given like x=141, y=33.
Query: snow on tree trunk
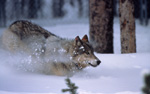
x=101, y=25
x=127, y=24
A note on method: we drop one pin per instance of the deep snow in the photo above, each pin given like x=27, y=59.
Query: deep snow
x=117, y=74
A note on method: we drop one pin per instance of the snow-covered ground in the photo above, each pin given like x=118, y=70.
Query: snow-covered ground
x=117, y=74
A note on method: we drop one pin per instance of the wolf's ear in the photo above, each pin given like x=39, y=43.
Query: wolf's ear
x=77, y=41
x=85, y=38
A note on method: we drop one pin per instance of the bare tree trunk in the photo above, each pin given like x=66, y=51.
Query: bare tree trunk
x=80, y=3
x=127, y=24
x=101, y=25
x=2, y=13
x=57, y=8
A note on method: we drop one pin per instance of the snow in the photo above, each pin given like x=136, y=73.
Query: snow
x=117, y=74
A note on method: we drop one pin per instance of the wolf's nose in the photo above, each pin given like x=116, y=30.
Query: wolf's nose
x=98, y=62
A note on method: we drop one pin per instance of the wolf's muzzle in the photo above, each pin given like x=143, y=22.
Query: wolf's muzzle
x=97, y=62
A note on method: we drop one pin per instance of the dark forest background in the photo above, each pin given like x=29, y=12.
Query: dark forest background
x=11, y=10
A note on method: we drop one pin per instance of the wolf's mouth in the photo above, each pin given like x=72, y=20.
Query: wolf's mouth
x=92, y=65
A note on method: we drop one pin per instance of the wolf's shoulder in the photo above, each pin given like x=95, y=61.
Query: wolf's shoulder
x=28, y=25
x=26, y=28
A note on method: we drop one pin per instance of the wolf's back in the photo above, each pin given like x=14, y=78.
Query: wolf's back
x=25, y=29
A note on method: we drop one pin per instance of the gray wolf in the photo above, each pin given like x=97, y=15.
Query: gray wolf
x=61, y=56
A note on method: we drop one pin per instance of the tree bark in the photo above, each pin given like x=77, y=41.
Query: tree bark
x=127, y=24
x=2, y=13
x=101, y=25
x=57, y=7
x=80, y=4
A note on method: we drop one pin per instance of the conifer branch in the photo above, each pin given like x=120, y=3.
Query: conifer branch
x=71, y=87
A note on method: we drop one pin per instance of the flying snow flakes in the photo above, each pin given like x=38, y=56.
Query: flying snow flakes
x=54, y=49
x=70, y=57
x=74, y=52
x=62, y=50
x=36, y=49
x=43, y=51
x=82, y=48
x=79, y=58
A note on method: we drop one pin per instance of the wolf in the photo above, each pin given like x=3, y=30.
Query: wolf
x=61, y=56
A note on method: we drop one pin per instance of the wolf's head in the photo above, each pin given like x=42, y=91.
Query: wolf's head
x=83, y=53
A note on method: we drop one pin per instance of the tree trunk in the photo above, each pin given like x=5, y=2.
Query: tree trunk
x=127, y=24
x=80, y=3
x=101, y=25
x=2, y=13
x=58, y=8
x=32, y=9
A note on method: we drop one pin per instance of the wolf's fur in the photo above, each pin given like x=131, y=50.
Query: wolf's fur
x=62, y=56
